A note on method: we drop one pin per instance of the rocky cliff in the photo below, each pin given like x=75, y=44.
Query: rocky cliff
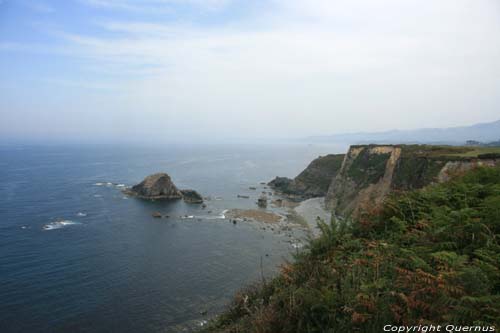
x=370, y=172
x=313, y=181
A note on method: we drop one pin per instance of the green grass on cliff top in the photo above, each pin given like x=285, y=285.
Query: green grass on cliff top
x=438, y=151
x=476, y=151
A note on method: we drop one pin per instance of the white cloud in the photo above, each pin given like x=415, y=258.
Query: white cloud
x=304, y=67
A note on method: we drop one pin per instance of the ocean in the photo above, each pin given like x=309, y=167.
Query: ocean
x=77, y=255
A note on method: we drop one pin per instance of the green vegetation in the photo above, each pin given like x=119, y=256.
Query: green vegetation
x=314, y=180
x=478, y=151
x=368, y=168
x=413, y=173
x=419, y=165
x=442, y=151
x=428, y=256
x=446, y=152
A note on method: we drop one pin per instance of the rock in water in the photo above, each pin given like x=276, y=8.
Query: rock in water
x=191, y=196
x=157, y=186
x=262, y=202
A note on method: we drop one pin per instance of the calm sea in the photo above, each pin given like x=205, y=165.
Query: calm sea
x=110, y=266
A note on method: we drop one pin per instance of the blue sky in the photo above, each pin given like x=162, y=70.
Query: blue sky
x=154, y=70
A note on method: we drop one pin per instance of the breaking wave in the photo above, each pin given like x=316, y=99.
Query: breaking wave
x=58, y=224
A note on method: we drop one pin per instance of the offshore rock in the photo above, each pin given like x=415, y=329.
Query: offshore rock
x=156, y=186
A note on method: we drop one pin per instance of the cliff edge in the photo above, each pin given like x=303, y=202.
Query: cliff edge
x=370, y=172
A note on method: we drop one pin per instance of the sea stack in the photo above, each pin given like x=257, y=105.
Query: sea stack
x=160, y=187
x=157, y=186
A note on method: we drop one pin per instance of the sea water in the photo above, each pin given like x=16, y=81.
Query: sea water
x=77, y=255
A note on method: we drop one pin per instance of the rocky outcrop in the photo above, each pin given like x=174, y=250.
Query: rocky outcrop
x=282, y=184
x=454, y=168
x=262, y=201
x=370, y=172
x=159, y=186
x=191, y=196
x=156, y=186
x=313, y=181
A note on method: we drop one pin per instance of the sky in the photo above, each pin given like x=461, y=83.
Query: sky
x=216, y=70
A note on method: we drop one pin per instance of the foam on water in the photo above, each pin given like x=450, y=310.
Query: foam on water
x=221, y=216
x=81, y=214
x=58, y=224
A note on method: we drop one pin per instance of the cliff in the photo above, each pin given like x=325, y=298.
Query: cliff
x=313, y=181
x=370, y=172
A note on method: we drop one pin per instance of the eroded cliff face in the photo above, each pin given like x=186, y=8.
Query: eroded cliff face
x=370, y=172
x=453, y=168
x=364, y=178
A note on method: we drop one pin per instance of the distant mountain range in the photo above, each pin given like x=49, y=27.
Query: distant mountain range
x=483, y=132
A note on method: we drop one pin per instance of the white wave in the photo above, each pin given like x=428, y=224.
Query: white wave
x=97, y=196
x=99, y=184
x=58, y=224
x=120, y=185
x=109, y=184
x=188, y=217
x=221, y=216
x=81, y=214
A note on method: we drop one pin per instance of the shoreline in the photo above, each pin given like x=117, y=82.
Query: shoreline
x=312, y=209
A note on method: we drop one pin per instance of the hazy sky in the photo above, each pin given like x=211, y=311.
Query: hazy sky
x=107, y=70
